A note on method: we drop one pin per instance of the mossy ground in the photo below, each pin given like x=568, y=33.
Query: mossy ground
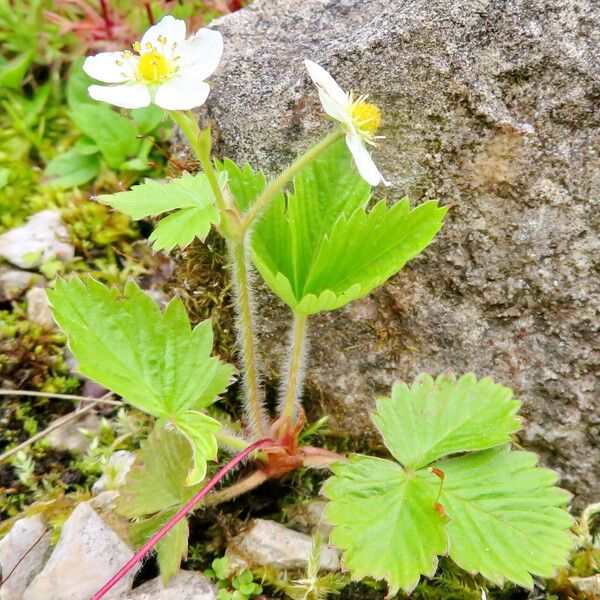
x=35, y=127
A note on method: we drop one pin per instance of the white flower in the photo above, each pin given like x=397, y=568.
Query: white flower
x=163, y=68
x=358, y=118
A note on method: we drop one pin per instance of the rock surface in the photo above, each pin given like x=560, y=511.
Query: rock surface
x=590, y=586
x=186, y=585
x=38, y=308
x=69, y=436
x=269, y=544
x=42, y=238
x=86, y=556
x=13, y=283
x=491, y=108
x=22, y=554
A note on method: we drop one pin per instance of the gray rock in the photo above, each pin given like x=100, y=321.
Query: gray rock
x=69, y=436
x=186, y=585
x=42, y=238
x=309, y=517
x=269, y=544
x=590, y=586
x=490, y=107
x=115, y=472
x=86, y=556
x=38, y=308
x=14, y=283
x=22, y=554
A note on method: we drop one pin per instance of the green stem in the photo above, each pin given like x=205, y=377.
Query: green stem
x=253, y=406
x=279, y=182
x=228, y=439
x=294, y=375
x=200, y=144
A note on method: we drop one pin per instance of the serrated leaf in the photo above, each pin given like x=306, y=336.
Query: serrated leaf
x=155, y=487
x=191, y=194
x=154, y=360
x=385, y=521
x=199, y=429
x=507, y=518
x=443, y=416
x=181, y=227
x=319, y=249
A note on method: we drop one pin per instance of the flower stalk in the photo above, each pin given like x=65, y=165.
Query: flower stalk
x=294, y=379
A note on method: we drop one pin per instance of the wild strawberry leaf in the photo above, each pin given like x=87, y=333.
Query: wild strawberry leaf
x=385, y=521
x=443, y=416
x=154, y=359
x=505, y=517
x=319, y=248
x=191, y=194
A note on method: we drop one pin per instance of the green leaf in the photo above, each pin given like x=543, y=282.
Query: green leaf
x=71, y=169
x=319, y=249
x=443, y=416
x=507, y=518
x=376, y=504
x=199, y=430
x=147, y=118
x=156, y=487
x=155, y=360
x=13, y=71
x=181, y=227
x=190, y=193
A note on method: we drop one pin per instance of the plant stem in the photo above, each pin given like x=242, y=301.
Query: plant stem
x=226, y=438
x=175, y=519
x=294, y=371
x=254, y=410
x=189, y=126
x=279, y=182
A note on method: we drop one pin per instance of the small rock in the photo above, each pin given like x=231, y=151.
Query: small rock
x=13, y=283
x=115, y=472
x=41, y=239
x=186, y=585
x=308, y=517
x=87, y=555
x=590, y=586
x=68, y=437
x=38, y=308
x=104, y=501
x=27, y=542
x=269, y=544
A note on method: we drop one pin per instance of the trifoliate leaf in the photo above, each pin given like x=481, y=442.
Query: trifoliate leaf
x=385, y=521
x=154, y=360
x=443, y=416
x=191, y=194
x=155, y=490
x=507, y=518
x=320, y=249
x=199, y=430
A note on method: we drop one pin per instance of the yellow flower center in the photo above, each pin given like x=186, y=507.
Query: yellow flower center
x=366, y=116
x=153, y=66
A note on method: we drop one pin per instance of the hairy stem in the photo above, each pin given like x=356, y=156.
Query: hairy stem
x=230, y=440
x=147, y=547
x=189, y=126
x=279, y=182
x=292, y=387
x=253, y=403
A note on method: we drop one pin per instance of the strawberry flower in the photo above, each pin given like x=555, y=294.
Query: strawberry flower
x=164, y=68
x=357, y=117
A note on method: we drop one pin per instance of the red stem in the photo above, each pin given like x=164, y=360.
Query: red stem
x=174, y=520
x=108, y=24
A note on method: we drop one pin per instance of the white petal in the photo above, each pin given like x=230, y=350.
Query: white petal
x=202, y=53
x=125, y=96
x=364, y=163
x=324, y=81
x=181, y=94
x=334, y=110
x=168, y=27
x=104, y=67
